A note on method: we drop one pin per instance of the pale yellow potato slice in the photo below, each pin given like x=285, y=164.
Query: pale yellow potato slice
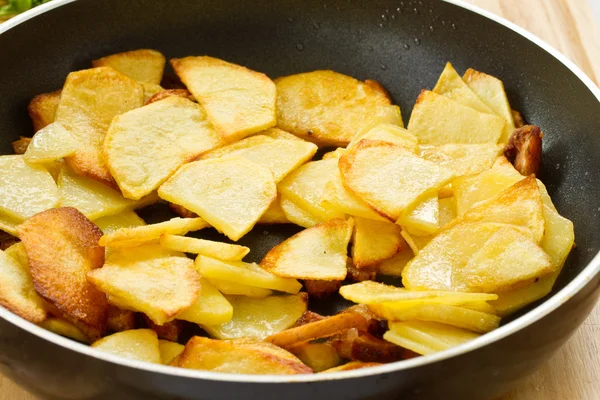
x=94, y=199
x=111, y=223
x=389, y=177
x=274, y=214
x=447, y=210
x=89, y=101
x=238, y=101
x=438, y=120
x=169, y=351
x=149, y=280
x=64, y=328
x=238, y=289
x=211, y=307
x=237, y=146
x=145, y=146
x=330, y=108
x=245, y=274
x=136, y=344
x=151, y=89
x=260, y=317
x=25, y=189
x=209, y=248
x=463, y=159
x=139, y=235
x=374, y=241
x=317, y=253
x=50, y=143
x=297, y=215
x=42, y=109
x=276, y=133
x=230, y=193
x=337, y=153
x=388, y=133
x=427, y=337
x=451, y=85
x=9, y=224
x=414, y=242
x=143, y=65
x=395, y=265
x=423, y=218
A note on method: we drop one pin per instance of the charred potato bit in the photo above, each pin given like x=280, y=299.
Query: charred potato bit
x=321, y=289
x=524, y=149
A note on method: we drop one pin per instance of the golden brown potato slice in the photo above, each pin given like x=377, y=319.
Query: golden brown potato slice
x=238, y=101
x=321, y=289
x=20, y=146
x=242, y=356
x=89, y=101
x=318, y=252
x=64, y=328
x=138, y=344
x=210, y=308
x=451, y=85
x=143, y=65
x=25, y=189
x=209, y=248
x=438, y=120
x=243, y=144
x=463, y=159
x=230, y=193
x=238, y=289
x=295, y=214
x=388, y=133
x=50, y=143
x=258, y=318
x=163, y=94
x=167, y=331
x=389, y=177
x=169, y=351
x=120, y=320
x=42, y=109
x=362, y=346
x=318, y=356
x=274, y=214
x=62, y=248
x=423, y=218
x=148, y=279
x=330, y=108
x=350, y=366
x=145, y=146
x=374, y=241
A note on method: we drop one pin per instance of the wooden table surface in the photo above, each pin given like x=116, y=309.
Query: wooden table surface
x=569, y=26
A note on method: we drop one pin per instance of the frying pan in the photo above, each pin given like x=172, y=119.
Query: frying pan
x=402, y=44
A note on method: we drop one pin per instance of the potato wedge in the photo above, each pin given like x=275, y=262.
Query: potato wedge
x=463, y=159
x=318, y=356
x=238, y=101
x=238, y=289
x=169, y=351
x=64, y=328
x=62, y=248
x=42, y=109
x=143, y=65
x=352, y=365
x=274, y=214
x=149, y=280
x=120, y=320
x=209, y=248
x=230, y=193
x=297, y=215
x=50, y=143
x=258, y=318
x=438, y=120
x=242, y=356
x=374, y=241
x=389, y=177
x=388, y=133
x=330, y=108
x=318, y=252
x=89, y=101
x=210, y=308
x=423, y=218
x=138, y=344
x=427, y=337
x=111, y=223
x=145, y=146
x=451, y=85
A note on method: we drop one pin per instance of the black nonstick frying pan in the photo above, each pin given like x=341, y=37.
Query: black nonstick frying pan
x=402, y=44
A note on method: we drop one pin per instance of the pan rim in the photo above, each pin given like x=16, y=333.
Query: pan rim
x=548, y=306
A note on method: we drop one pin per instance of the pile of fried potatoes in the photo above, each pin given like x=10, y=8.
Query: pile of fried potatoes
x=450, y=205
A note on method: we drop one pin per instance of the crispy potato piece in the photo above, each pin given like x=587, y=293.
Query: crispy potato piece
x=111, y=223
x=374, y=241
x=307, y=318
x=230, y=193
x=352, y=365
x=318, y=252
x=25, y=189
x=524, y=149
x=20, y=146
x=238, y=289
x=320, y=289
x=330, y=108
x=139, y=235
x=245, y=274
x=438, y=120
x=210, y=308
x=148, y=279
x=423, y=218
x=361, y=346
x=297, y=215
x=243, y=144
x=427, y=337
x=242, y=356
x=451, y=85
x=42, y=109
x=145, y=146
x=138, y=344
x=64, y=328
x=89, y=101
x=163, y=94
x=120, y=320
x=359, y=275
x=395, y=265
x=389, y=177
x=169, y=351
x=318, y=356
x=274, y=214
x=238, y=101
x=463, y=159
x=388, y=133
x=50, y=143
x=260, y=318
x=223, y=251
x=62, y=248
x=167, y=331
x=143, y=65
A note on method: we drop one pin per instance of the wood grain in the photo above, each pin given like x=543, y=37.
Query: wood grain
x=569, y=26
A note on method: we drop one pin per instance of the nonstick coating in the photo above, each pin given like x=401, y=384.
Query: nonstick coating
x=403, y=45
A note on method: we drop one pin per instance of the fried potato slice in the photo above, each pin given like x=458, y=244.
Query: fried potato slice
x=230, y=193
x=329, y=108
x=64, y=328
x=210, y=308
x=245, y=274
x=89, y=101
x=491, y=91
x=238, y=289
x=374, y=241
x=137, y=344
x=238, y=101
x=62, y=248
x=42, y=109
x=395, y=265
x=388, y=133
x=463, y=159
x=143, y=65
x=17, y=293
x=451, y=85
x=167, y=331
x=111, y=223
x=438, y=120
x=362, y=346
x=321, y=289
x=148, y=279
x=389, y=177
x=258, y=318
x=145, y=146
x=242, y=356
x=276, y=133
x=295, y=214
x=120, y=320
x=318, y=356
x=427, y=337
x=350, y=366
x=150, y=90
x=169, y=351
x=163, y=94
x=25, y=189
x=20, y=146
x=243, y=144
x=423, y=218
x=274, y=214
x=318, y=252
x=50, y=143
x=209, y=248
x=337, y=153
